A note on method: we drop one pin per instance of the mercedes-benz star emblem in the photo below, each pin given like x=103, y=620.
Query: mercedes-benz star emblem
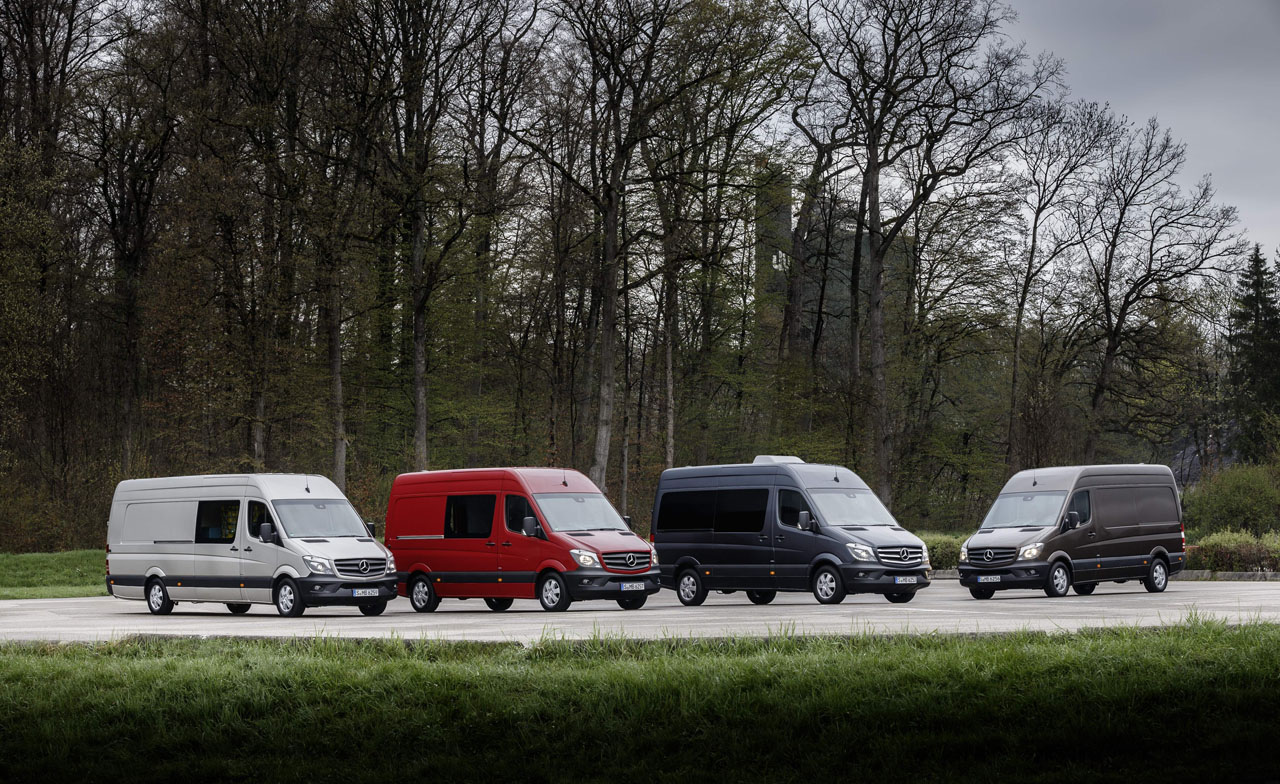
x=905, y=554
x=631, y=559
x=364, y=567
x=989, y=555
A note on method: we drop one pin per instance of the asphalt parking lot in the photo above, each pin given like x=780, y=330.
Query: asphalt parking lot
x=943, y=607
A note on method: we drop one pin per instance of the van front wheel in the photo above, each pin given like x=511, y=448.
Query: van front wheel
x=553, y=594
x=981, y=591
x=1157, y=578
x=1059, y=581
x=828, y=588
x=421, y=597
x=690, y=590
x=289, y=599
x=158, y=601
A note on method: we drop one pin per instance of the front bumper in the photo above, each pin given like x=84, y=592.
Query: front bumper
x=876, y=578
x=596, y=583
x=1019, y=574
x=318, y=591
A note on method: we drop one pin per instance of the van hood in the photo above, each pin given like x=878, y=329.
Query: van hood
x=874, y=535
x=607, y=541
x=1007, y=537
x=338, y=547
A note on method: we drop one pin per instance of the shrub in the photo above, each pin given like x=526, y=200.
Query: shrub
x=1236, y=551
x=1243, y=497
x=944, y=549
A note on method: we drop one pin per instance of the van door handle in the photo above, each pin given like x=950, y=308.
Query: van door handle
x=779, y=538
x=234, y=548
x=506, y=544
x=490, y=544
x=763, y=537
x=248, y=549
x=1093, y=534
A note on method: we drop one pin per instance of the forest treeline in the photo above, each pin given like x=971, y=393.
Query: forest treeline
x=360, y=237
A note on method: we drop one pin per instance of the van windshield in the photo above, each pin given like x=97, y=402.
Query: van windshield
x=851, y=507
x=331, y=517
x=579, y=512
x=1024, y=510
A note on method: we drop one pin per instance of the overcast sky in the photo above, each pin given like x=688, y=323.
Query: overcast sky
x=1209, y=69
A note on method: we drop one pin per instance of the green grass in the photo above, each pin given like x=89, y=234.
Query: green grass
x=1194, y=702
x=53, y=575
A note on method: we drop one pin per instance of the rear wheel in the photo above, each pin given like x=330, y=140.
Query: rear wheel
x=158, y=601
x=900, y=598
x=238, y=609
x=1059, y=580
x=761, y=597
x=421, y=597
x=827, y=586
x=1157, y=578
x=689, y=589
x=553, y=593
x=288, y=599
x=632, y=602
x=373, y=609
x=1084, y=589
x=498, y=605
x=981, y=591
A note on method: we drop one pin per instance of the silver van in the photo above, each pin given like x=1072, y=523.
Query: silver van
x=292, y=540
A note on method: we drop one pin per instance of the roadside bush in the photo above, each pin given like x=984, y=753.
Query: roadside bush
x=1235, y=551
x=1243, y=498
x=944, y=549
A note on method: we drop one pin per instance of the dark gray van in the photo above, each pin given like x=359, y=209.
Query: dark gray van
x=780, y=524
x=1053, y=528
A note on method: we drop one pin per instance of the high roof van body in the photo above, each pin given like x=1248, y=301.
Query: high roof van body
x=502, y=534
x=1052, y=528
x=240, y=539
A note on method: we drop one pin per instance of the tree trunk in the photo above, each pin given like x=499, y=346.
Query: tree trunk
x=606, y=336
x=882, y=437
x=420, y=456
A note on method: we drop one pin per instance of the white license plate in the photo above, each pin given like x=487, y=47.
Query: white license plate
x=633, y=586
x=356, y=592
x=988, y=578
x=904, y=581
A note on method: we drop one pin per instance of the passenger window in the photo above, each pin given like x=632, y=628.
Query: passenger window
x=1156, y=505
x=790, y=504
x=687, y=510
x=469, y=516
x=518, y=508
x=741, y=511
x=1114, y=506
x=1080, y=505
x=216, y=522
x=258, y=515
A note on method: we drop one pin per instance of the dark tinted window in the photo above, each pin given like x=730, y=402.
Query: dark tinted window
x=1114, y=506
x=469, y=516
x=687, y=510
x=216, y=521
x=1080, y=505
x=258, y=515
x=518, y=508
x=1155, y=505
x=741, y=511
x=790, y=504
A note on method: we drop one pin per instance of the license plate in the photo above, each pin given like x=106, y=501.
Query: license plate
x=364, y=592
x=904, y=580
x=633, y=586
x=988, y=578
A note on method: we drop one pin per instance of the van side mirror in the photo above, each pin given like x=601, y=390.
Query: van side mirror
x=267, y=533
x=627, y=519
x=529, y=526
x=804, y=521
x=373, y=528
x=1073, y=520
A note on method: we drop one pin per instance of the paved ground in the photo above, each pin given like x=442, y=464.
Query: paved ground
x=943, y=607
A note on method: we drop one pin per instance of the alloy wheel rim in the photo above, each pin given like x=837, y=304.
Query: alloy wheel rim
x=688, y=587
x=1060, y=579
x=286, y=598
x=421, y=594
x=826, y=585
x=157, y=596
x=1159, y=574
x=551, y=592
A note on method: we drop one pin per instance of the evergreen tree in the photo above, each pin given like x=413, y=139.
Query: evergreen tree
x=1255, y=358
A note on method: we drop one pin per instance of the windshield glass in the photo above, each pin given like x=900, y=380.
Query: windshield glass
x=851, y=507
x=1024, y=510
x=328, y=517
x=579, y=512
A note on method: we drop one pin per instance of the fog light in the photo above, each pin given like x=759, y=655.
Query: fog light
x=586, y=580
x=315, y=588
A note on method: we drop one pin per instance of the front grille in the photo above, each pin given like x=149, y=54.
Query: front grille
x=619, y=561
x=900, y=556
x=350, y=567
x=999, y=555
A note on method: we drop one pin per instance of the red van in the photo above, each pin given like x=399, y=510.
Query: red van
x=514, y=533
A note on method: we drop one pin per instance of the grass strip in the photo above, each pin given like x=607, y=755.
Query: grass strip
x=52, y=575
x=1194, y=700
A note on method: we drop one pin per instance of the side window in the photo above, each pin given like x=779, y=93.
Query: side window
x=216, y=522
x=517, y=509
x=1080, y=505
x=741, y=511
x=1113, y=506
x=469, y=516
x=790, y=504
x=258, y=515
x=1156, y=505
x=687, y=510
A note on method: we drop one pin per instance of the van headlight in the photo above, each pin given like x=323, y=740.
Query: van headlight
x=964, y=554
x=317, y=565
x=1030, y=552
x=653, y=554
x=585, y=557
x=924, y=553
x=391, y=564
x=860, y=552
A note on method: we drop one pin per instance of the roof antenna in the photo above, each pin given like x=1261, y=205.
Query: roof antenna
x=1033, y=478
x=564, y=477
x=307, y=481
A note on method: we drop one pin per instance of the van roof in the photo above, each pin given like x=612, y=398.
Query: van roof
x=1065, y=477
x=271, y=485
x=810, y=475
x=535, y=480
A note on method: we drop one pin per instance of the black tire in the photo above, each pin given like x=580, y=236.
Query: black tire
x=553, y=594
x=900, y=598
x=827, y=585
x=1084, y=589
x=498, y=605
x=761, y=597
x=238, y=609
x=981, y=591
x=288, y=599
x=422, y=597
x=158, y=601
x=1157, y=578
x=1058, y=583
x=690, y=589
x=376, y=608
x=633, y=602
